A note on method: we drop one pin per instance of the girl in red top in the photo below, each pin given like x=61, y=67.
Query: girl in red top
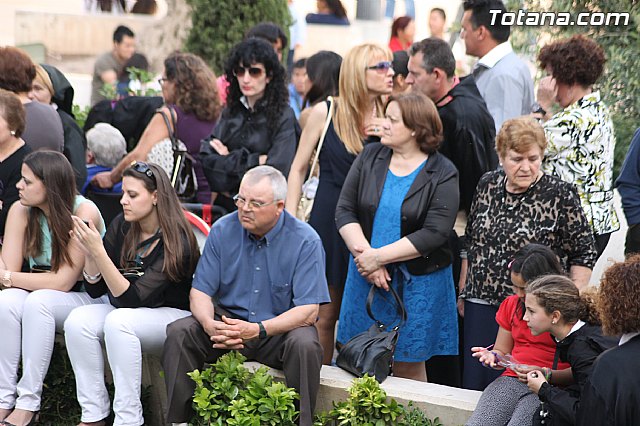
x=402, y=31
x=508, y=400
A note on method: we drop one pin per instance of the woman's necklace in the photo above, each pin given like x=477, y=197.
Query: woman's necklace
x=144, y=247
x=520, y=196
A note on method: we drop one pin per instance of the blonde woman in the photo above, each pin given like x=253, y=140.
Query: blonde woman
x=366, y=77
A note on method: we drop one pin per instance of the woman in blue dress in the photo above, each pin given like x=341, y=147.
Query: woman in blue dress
x=395, y=211
x=365, y=77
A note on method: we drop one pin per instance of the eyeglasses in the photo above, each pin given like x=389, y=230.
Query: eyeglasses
x=254, y=72
x=162, y=81
x=381, y=67
x=255, y=205
x=142, y=167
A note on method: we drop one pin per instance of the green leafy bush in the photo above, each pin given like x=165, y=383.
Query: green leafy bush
x=219, y=25
x=227, y=393
x=368, y=405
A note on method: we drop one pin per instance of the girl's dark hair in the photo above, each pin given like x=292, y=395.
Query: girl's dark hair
x=173, y=226
x=559, y=293
x=276, y=95
x=137, y=60
x=196, y=91
x=535, y=260
x=323, y=70
x=58, y=178
x=336, y=7
x=400, y=24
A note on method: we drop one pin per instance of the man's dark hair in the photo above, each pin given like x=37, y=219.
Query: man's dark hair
x=122, y=32
x=300, y=63
x=268, y=31
x=480, y=16
x=437, y=54
x=440, y=11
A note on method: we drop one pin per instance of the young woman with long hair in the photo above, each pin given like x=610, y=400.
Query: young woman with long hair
x=145, y=264
x=365, y=78
x=34, y=305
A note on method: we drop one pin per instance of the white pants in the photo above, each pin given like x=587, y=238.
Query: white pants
x=126, y=333
x=29, y=321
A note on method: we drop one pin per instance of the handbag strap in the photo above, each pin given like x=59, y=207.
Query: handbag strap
x=170, y=122
x=322, y=135
x=400, y=309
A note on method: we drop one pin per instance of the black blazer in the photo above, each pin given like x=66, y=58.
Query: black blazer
x=428, y=210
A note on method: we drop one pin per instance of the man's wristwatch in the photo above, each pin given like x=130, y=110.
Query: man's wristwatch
x=263, y=332
x=6, y=279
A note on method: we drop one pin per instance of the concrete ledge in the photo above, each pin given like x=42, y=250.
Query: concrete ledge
x=452, y=405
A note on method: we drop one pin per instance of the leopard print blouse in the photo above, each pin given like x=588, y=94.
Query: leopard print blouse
x=500, y=223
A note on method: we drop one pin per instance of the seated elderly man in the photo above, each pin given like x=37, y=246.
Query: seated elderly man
x=105, y=148
x=256, y=289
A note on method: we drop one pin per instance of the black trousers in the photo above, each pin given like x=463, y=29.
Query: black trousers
x=298, y=353
x=632, y=242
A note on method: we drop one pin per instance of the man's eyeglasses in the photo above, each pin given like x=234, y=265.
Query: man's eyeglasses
x=142, y=167
x=254, y=72
x=381, y=67
x=255, y=205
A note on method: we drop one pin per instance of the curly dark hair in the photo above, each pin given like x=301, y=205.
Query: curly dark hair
x=195, y=85
x=577, y=60
x=420, y=115
x=619, y=297
x=17, y=71
x=276, y=95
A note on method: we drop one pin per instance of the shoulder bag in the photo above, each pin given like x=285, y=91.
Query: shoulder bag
x=311, y=185
x=371, y=352
x=172, y=156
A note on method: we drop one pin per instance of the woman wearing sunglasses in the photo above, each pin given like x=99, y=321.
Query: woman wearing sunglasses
x=507, y=400
x=33, y=306
x=365, y=78
x=147, y=285
x=191, y=97
x=257, y=126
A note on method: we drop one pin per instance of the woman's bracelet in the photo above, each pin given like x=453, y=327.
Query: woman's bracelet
x=91, y=278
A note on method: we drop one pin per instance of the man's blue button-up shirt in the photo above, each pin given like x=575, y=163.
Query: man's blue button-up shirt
x=260, y=279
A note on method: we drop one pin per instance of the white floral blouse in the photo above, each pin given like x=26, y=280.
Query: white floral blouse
x=580, y=151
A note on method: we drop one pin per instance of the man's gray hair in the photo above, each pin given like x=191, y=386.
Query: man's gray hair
x=107, y=144
x=277, y=179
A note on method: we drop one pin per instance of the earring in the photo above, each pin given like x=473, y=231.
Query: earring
x=154, y=203
x=13, y=132
x=413, y=133
x=553, y=322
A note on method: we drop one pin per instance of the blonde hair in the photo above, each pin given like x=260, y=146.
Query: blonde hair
x=43, y=78
x=349, y=116
x=519, y=134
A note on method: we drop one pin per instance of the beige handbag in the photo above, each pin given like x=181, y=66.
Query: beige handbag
x=310, y=186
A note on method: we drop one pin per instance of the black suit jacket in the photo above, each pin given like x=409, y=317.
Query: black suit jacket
x=428, y=210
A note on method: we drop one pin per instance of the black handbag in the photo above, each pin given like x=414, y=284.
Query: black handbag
x=371, y=352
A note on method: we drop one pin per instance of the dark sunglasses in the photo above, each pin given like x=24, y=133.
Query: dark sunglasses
x=142, y=167
x=254, y=72
x=381, y=67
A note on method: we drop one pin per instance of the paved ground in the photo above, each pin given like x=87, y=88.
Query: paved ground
x=615, y=250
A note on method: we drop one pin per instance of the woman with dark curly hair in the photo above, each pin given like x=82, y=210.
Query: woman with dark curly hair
x=611, y=396
x=395, y=211
x=581, y=137
x=256, y=127
x=191, y=97
x=43, y=128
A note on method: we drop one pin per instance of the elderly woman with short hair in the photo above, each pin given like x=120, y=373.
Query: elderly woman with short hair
x=512, y=207
x=105, y=148
x=581, y=137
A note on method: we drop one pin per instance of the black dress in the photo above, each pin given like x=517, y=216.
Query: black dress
x=335, y=162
